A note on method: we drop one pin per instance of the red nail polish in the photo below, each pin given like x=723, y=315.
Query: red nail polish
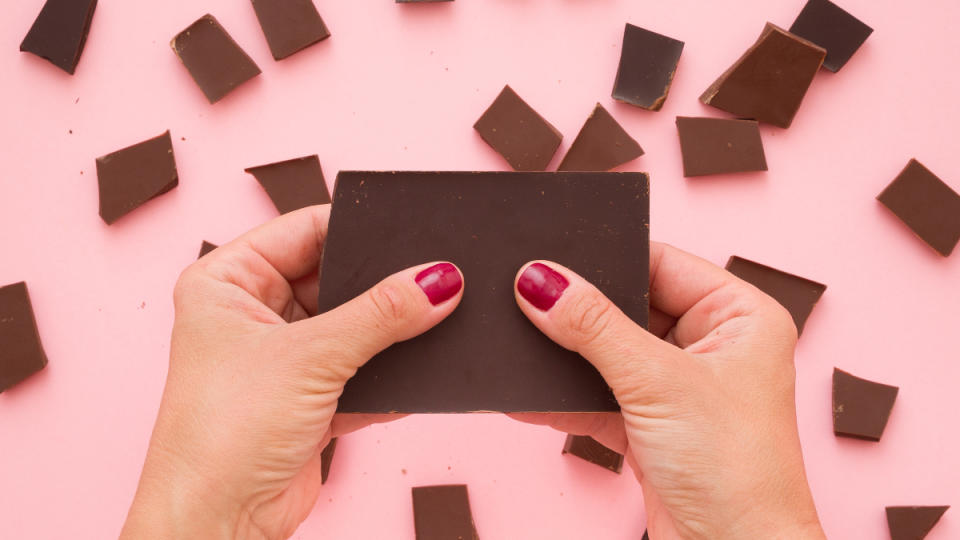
x=541, y=286
x=440, y=282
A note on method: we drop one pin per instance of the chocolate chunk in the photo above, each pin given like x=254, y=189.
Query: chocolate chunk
x=21, y=353
x=913, y=522
x=861, y=408
x=326, y=458
x=601, y=145
x=60, y=32
x=589, y=449
x=799, y=295
x=134, y=175
x=829, y=26
x=518, y=133
x=927, y=205
x=648, y=61
x=489, y=224
x=205, y=248
x=769, y=81
x=646, y=535
x=290, y=25
x=213, y=58
x=293, y=184
x=719, y=145
x=443, y=513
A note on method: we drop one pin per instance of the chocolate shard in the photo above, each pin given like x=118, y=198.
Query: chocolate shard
x=648, y=61
x=601, y=145
x=443, y=513
x=925, y=204
x=769, y=81
x=518, y=133
x=213, y=58
x=134, y=175
x=913, y=522
x=293, y=184
x=326, y=458
x=831, y=27
x=21, y=353
x=206, y=247
x=720, y=145
x=588, y=449
x=799, y=295
x=861, y=408
x=290, y=25
x=646, y=535
x=60, y=31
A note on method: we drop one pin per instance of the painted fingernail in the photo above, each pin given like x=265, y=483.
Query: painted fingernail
x=541, y=286
x=440, y=282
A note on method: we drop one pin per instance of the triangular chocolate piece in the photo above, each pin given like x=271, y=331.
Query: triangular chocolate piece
x=293, y=184
x=60, y=32
x=134, y=175
x=326, y=458
x=588, y=449
x=913, y=522
x=21, y=353
x=601, y=145
x=206, y=247
x=861, y=408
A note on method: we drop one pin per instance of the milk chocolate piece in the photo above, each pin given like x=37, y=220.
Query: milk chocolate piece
x=60, y=32
x=913, y=522
x=518, y=133
x=293, y=184
x=720, y=145
x=134, y=175
x=489, y=224
x=205, y=248
x=587, y=448
x=769, y=81
x=601, y=145
x=213, y=58
x=290, y=25
x=443, y=513
x=927, y=205
x=648, y=61
x=326, y=458
x=829, y=26
x=861, y=408
x=795, y=293
x=21, y=353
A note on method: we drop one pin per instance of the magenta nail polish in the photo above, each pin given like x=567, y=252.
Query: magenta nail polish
x=440, y=282
x=541, y=286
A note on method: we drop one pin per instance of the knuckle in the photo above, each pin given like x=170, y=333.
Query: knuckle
x=388, y=305
x=589, y=316
x=185, y=286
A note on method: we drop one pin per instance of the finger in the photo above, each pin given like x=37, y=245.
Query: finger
x=291, y=243
x=678, y=280
x=606, y=428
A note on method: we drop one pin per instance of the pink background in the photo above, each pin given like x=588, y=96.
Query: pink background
x=399, y=87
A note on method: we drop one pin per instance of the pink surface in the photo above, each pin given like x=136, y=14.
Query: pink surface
x=399, y=87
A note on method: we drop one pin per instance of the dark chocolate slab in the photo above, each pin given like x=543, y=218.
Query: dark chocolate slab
x=648, y=61
x=601, y=145
x=443, y=513
x=290, y=25
x=587, y=448
x=293, y=184
x=927, y=205
x=913, y=522
x=861, y=408
x=518, y=133
x=60, y=31
x=21, y=353
x=489, y=224
x=799, y=295
x=831, y=27
x=720, y=145
x=132, y=176
x=326, y=459
x=213, y=58
x=206, y=247
x=769, y=81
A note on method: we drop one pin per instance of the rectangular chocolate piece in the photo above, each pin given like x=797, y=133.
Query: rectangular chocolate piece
x=443, y=513
x=518, y=133
x=213, y=58
x=21, y=353
x=601, y=145
x=925, y=204
x=489, y=224
x=720, y=145
x=206, y=247
x=588, y=449
x=132, y=176
x=861, y=408
x=289, y=25
x=648, y=61
x=60, y=32
x=795, y=293
x=293, y=184
x=829, y=26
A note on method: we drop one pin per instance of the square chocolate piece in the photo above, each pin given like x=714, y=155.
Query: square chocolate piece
x=443, y=513
x=648, y=62
x=927, y=205
x=60, y=32
x=213, y=58
x=489, y=225
x=134, y=175
x=795, y=293
x=518, y=133
x=829, y=26
x=861, y=408
x=289, y=25
x=588, y=449
x=293, y=184
x=913, y=522
x=720, y=145
x=601, y=145
x=21, y=353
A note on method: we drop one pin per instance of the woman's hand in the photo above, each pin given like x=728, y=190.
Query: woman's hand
x=254, y=380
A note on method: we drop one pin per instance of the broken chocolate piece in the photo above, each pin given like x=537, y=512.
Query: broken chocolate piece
x=769, y=81
x=443, y=513
x=719, y=145
x=21, y=353
x=927, y=205
x=518, y=133
x=289, y=25
x=913, y=522
x=60, y=32
x=205, y=248
x=861, y=408
x=648, y=61
x=799, y=295
x=134, y=175
x=587, y=448
x=829, y=26
x=326, y=458
x=293, y=184
x=601, y=145
x=489, y=225
x=213, y=58
x=646, y=535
